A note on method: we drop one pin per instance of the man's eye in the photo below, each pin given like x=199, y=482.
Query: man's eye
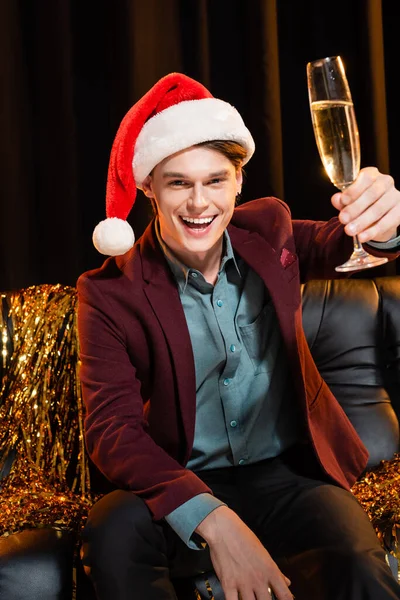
x=177, y=183
x=216, y=181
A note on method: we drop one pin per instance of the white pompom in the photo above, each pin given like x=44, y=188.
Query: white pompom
x=113, y=237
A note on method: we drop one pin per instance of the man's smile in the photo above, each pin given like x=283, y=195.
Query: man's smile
x=196, y=225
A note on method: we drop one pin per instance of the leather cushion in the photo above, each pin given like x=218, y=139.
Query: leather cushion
x=346, y=326
x=36, y=564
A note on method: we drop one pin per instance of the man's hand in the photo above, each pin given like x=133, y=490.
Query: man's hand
x=242, y=564
x=369, y=207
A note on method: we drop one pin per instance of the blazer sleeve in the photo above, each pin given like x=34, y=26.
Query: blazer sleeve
x=322, y=245
x=115, y=425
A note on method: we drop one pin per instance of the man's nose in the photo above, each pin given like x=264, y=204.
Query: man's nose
x=198, y=197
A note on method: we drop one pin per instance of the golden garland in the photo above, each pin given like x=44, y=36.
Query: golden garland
x=378, y=492
x=41, y=412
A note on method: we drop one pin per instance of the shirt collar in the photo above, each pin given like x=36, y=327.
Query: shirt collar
x=180, y=270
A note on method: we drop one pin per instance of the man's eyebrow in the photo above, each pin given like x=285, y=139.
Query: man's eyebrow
x=173, y=174
x=169, y=174
x=222, y=173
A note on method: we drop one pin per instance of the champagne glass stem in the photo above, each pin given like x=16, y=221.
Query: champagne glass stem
x=357, y=245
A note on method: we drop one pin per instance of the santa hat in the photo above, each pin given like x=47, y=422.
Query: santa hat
x=176, y=113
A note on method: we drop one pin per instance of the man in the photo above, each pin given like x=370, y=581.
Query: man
x=204, y=406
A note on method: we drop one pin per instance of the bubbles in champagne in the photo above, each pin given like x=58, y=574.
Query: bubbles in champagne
x=336, y=133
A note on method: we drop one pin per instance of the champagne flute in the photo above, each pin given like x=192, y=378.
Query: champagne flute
x=337, y=138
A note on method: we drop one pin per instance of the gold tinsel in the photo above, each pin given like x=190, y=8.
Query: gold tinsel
x=41, y=412
x=378, y=492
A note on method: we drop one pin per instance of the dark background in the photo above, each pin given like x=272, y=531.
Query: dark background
x=71, y=69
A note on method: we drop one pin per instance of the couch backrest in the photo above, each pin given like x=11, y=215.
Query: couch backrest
x=353, y=330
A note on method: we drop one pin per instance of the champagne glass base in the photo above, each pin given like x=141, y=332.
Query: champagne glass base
x=361, y=260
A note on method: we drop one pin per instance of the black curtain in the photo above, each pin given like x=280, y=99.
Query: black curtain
x=70, y=70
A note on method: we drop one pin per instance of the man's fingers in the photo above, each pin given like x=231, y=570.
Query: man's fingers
x=378, y=230
x=371, y=197
x=232, y=594
x=376, y=221
x=365, y=180
x=371, y=215
x=367, y=189
x=280, y=588
x=337, y=201
x=250, y=595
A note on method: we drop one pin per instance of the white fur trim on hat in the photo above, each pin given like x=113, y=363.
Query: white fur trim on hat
x=113, y=237
x=183, y=125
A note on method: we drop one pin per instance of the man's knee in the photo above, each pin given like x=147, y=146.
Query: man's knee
x=119, y=524
x=354, y=567
x=363, y=564
x=116, y=510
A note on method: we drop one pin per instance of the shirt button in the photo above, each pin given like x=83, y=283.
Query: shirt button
x=226, y=381
x=232, y=348
x=242, y=461
x=219, y=303
x=233, y=423
x=194, y=275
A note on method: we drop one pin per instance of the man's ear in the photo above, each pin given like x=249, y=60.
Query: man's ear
x=239, y=180
x=147, y=187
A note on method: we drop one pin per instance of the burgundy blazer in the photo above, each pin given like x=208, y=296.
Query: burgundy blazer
x=138, y=374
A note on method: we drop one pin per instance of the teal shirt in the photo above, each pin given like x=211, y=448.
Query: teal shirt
x=244, y=407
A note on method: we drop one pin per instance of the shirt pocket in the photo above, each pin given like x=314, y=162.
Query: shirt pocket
x=259, y=339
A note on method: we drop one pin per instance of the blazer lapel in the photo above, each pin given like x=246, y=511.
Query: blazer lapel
x=163, y=295
x=265, y=261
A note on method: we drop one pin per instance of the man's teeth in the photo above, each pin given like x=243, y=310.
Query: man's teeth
x=198, y=221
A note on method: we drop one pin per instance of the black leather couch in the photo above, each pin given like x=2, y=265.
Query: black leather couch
x=353, y=329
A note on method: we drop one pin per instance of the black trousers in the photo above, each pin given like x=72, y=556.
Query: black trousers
x=316, y=532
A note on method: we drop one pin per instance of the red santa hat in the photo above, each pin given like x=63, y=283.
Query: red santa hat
x=176, y=113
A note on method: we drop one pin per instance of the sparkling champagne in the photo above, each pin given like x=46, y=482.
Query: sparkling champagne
x=337, y=139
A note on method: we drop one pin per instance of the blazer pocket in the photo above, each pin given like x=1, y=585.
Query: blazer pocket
x=292, y=270
x=260, y=339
